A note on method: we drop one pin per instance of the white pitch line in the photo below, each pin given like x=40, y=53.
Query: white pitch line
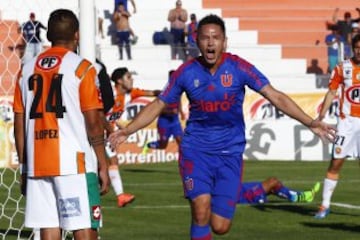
x=150, y=207
x=345, y=205
x=287, y=181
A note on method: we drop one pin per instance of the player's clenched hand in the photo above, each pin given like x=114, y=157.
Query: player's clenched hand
x=325, y=131
x=117, y=137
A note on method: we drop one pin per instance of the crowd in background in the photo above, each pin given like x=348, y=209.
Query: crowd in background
x=338, y=41
x=181, y=38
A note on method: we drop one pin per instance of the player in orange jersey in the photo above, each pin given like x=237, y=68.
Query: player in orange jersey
x=57, y=124
x=346, y=77
x=123, y=90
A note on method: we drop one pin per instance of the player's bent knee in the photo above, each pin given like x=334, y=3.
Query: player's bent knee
x=220, y=225
x=220, y=228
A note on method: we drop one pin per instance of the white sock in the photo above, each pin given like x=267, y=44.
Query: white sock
x=115, y=179
x=328, y=189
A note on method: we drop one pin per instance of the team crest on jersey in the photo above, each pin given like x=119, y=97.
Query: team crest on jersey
x=196, y=82
x=48, y=62
x=358, y=76
x=338, y=150
x=226, y=80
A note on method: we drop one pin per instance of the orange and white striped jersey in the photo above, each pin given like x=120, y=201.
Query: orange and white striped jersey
x=121, y=100
x=346, y=78
x=53, y=92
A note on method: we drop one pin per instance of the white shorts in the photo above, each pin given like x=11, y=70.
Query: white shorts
x=347, y=141
x=70, y=202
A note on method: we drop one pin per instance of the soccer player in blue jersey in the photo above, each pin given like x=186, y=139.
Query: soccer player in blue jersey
x=257, y=192
x=213, y=143
x=168, y=125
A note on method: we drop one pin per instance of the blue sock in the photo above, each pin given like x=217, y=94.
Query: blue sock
x=282, y=191
x=153, y=144
x=200, y=232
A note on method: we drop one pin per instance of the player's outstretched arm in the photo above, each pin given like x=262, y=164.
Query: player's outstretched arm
x=284, y=103
x=329, y=97
x=142, y=119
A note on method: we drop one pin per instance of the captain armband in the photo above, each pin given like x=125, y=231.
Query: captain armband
x=96, y=140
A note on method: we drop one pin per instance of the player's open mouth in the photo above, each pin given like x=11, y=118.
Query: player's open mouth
x=210, y=53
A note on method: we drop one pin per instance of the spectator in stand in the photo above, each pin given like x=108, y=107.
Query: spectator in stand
x=125, y=2
x=314, y=67
x=31, y=33
x=345, y=29
x=134, y=38
x=191, y=33
x=333, y=42
x=121, y=19
x=178, y=17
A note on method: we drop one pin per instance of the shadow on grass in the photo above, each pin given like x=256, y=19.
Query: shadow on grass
x=349, y=227
x=299, y=209
x=14, y=233
x=306, y=210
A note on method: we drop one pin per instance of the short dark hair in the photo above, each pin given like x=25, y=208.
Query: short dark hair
x=118, y=73
x=355, y=39
x=62, y=25
x=212, y=19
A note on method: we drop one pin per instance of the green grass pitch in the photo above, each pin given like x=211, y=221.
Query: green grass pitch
x=161, y=213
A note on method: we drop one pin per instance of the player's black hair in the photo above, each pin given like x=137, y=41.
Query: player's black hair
x=212, y=19
x=62, y=26
x=355, y=39
x=118, y=73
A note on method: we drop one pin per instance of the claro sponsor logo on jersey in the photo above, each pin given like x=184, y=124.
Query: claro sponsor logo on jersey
x=216, y=106
x=353, y=94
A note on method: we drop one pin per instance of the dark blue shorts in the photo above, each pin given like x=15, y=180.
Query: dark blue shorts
x=252, y=193
x=217, y=175
x=169, y=125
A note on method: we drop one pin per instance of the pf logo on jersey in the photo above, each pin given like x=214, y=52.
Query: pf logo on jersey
x=48, y=62
x=353, y=94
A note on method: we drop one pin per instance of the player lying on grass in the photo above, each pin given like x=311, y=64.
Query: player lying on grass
x=257, y=192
